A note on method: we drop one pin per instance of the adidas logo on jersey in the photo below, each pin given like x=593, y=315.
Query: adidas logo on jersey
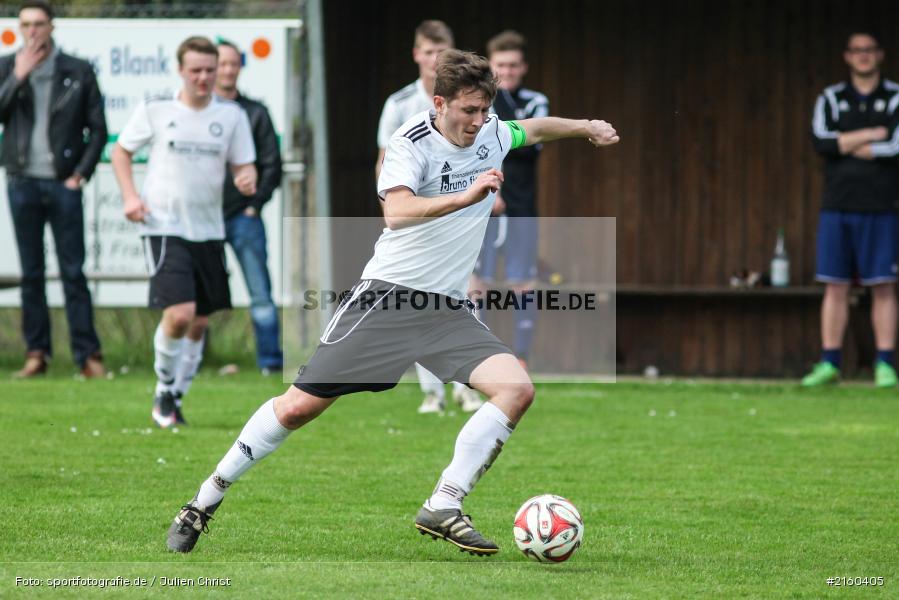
x=171, y=124
x=446, y=168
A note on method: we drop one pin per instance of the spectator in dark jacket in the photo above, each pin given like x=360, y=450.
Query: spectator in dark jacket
x=244, y=229
x=54, y=133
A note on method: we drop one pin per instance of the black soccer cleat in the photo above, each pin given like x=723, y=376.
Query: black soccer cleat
x=179, y=417
x=188, y=525
x=451, y=525
x=164, y=409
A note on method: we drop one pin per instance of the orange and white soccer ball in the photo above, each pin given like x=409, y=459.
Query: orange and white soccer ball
x=548, y=528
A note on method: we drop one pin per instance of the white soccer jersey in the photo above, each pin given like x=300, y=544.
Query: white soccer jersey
x=189, y=152
x=438, y=255
x=400, y=107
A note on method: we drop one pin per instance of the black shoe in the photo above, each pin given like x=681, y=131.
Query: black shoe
x=456, y=528
x=188, y=525
x=164, y=409
x=179, y=417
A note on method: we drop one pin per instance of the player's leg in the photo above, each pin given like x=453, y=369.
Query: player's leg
x=510, y=392
x=876, y=243
x=465, y=350
x=168, y=343
x=191, y=357
x=835, y=268
x=521, y=274
x=353, y=352
x=212, y=293
x=264, y=433
x=433, y=389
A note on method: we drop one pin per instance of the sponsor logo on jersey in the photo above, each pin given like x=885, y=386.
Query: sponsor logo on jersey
x=457, y=182
x=192, y=149
x=483, y=152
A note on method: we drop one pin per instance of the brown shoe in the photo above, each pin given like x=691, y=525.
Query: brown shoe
x=35, y=364
x=93, y=367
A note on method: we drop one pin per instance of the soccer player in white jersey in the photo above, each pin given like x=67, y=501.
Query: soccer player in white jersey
x=193, y=135
x=437, y=185
x=431, y=38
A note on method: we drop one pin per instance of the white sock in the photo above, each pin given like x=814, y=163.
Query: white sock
x=478, y=445
x=191, y=357
x=261, y=436
x=430, y=383
x=167, y=356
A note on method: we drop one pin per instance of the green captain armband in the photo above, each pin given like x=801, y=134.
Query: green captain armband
x=519, y=137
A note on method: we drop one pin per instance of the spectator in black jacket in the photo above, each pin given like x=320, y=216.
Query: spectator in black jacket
x=243, y=223
x=54, y=133
x=855, y=128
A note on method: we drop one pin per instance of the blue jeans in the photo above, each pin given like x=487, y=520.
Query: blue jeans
x=33, y=203
x=247, y=238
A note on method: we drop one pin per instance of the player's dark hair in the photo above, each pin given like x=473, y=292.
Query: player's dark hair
x=505, y=41
x=196, y=43
x=41, y=4
x=228, y=44
x=854, y=32
x=435, y=31
x=459, y=71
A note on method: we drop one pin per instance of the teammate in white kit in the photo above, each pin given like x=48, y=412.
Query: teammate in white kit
x=431, y=38
x=193, y=135
x=437, y=185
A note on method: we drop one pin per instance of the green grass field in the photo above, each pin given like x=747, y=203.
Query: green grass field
x=687, y=490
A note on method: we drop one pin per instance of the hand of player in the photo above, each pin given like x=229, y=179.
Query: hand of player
x=486, y=182
x=863, y=152
x=74, y=182
x=877, y=134
x=600, y=133
x=30, y=56
x=135, y=209
x=245, y=183
x=499, y=205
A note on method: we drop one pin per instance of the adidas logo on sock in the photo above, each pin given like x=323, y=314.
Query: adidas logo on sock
x=247, y=451
x=446, y=168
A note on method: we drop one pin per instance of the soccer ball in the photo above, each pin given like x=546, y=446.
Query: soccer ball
x=548, y=528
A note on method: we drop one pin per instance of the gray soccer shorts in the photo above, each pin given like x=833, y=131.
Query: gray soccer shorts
x=381, y=329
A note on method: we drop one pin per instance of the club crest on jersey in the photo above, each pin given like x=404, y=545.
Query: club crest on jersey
x=483, y=152
x=880, y=104
x=216, y=129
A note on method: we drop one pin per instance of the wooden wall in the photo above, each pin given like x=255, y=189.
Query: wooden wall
x=713, y=102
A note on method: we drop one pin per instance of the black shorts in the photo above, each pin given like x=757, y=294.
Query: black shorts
x=183, y=271
x=381, y=329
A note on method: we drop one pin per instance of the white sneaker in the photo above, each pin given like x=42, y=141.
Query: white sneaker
x=468, y=399
x=431, y=404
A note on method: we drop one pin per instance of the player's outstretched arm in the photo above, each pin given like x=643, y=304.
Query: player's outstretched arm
x=402, y=208
x=547, y=129
x=134, y=208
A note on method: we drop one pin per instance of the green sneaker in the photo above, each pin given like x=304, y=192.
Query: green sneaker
x=822, y=374
x=885, y=375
